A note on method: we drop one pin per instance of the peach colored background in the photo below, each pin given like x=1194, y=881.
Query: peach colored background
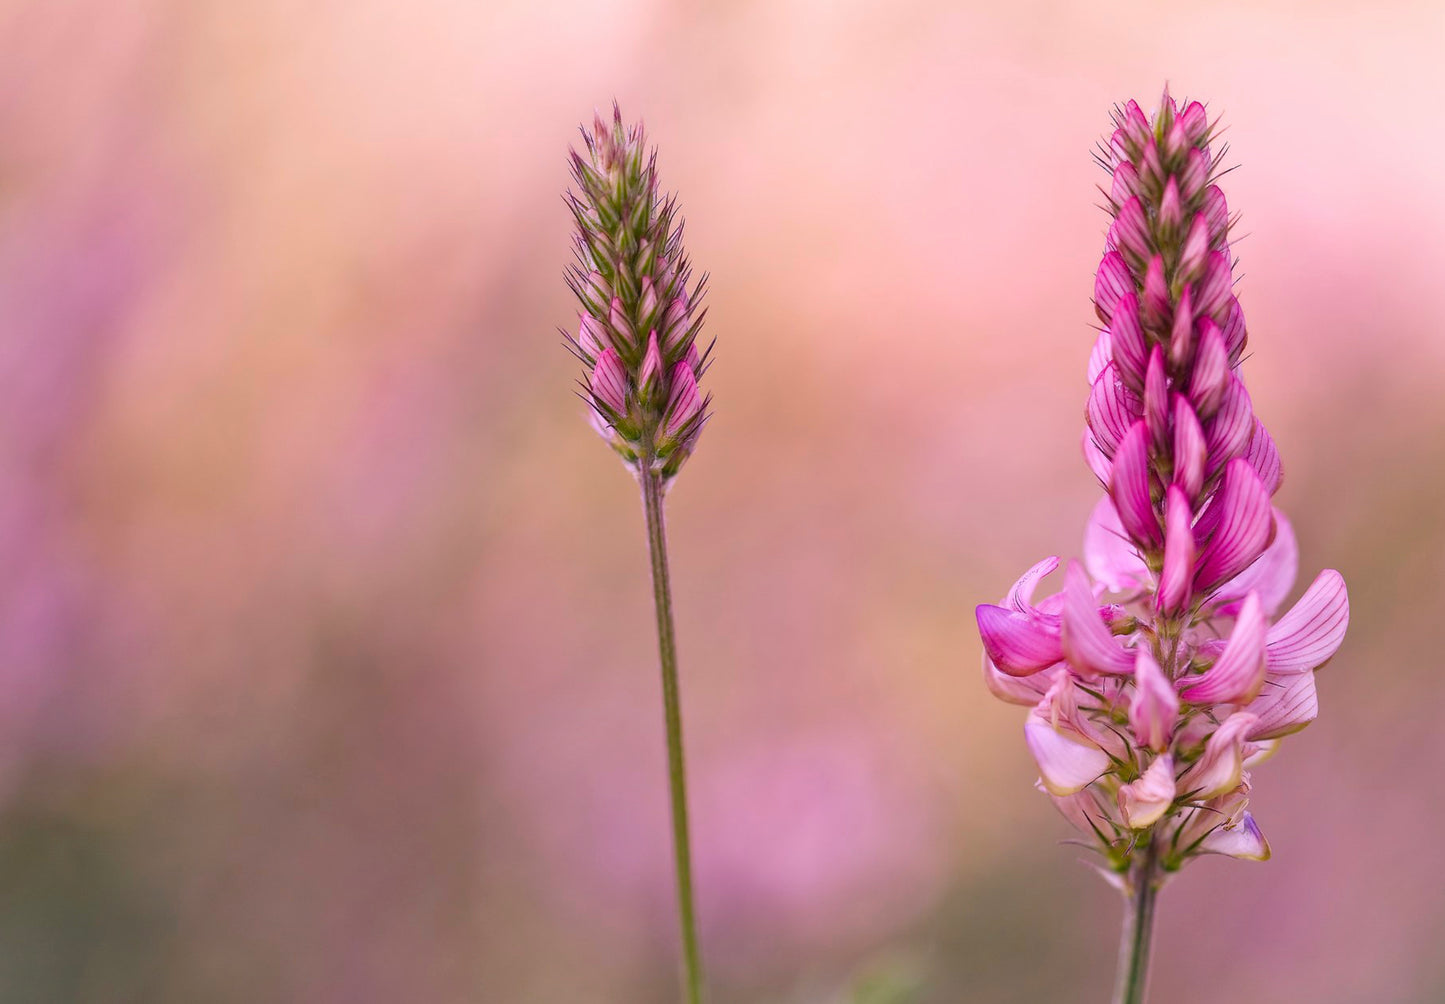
x=326, y=667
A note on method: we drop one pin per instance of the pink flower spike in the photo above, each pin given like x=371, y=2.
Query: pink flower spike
x=1177, y=575
x=1196, y=247
x=1112, y=281
x=1131, y=231
x=1285, y=706
x=1188, y=449
x=1311, y=633
x=1238, y=673
x=1211, y=370
x=1154, y=708
x=1129, y=487
x=650, y=374
x=1271, y=576
x=1263, y=456
x=1111, y=410
x=1143, y=802
x=1212, y=290
x=1230, y=431
x=685, y=401
x=1242, y=528
x=1126, y=336
x=1155, y=310
x=1089, y=646
x=1067, y=759
x=1220, y=767
x=1109, y=555
x=1019, y=644
x=609, y=382
x=1156, y=399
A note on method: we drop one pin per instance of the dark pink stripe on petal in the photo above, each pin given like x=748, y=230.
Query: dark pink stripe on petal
x=1129, y=487
x=1111, y=410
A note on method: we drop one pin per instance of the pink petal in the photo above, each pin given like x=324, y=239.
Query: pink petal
x=1211, y=369
x=1211, y=293
x=1189, y=448
x=1171, y=207
x=1195, y=173
x=1216, y=211
x=1235, y=335
x=1143, y=802
x=1101, y=355
x=651, y=371
x=1067, y=760
x=1285, y=705
x=1196, y=247
x=1154, y=708
x=1024, y=690
x=685, y=402
x=1271, y=576
x=1230, y=430
x=1177, y=575
x=1018, y=644
x=609, y=381
x=1112, y=281
x=1156, y=399
x=1088, y=644
x=1263, y=456
x=1109, y=555
x=1021, y=595
x=1238, y=673
x=1237, y=840
x=1111, y=410
x=1311, y=633
x=1181, y=337
x=1131, y=230
x=1194, y=121
x=1221, y=766
x=1126, y=334
x=1125, y=182
x=1243, y=526
x=1094, y=457
x=1154, y=307
x=1129, y=487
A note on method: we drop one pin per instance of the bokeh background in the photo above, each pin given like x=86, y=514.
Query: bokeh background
x=326, y=666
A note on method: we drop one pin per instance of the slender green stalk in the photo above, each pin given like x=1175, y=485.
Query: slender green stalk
x=652, y=488
x=1138, y=934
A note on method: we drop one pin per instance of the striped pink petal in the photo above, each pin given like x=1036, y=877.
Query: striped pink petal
x=1189, y=448
x=1154, y=708
x=1143, y=802
x=1242, y=527
x=1227, y=436
x=1271, y=576
x=1210, y=378
x=1088, y=644
x=1238, y=673
x=1018, y=643
x=1111, y=410
x=1112, y=281
x=1126, y=336
x=1263, y=456
x=1109, y=555
x=1129, y=487
x=1101, y=355
x=1311, y=633
x=1156, y=399
x=1285, y=705
x=1177, y=575
x=1220, y=767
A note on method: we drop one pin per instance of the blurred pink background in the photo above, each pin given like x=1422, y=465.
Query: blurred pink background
x=327, y=671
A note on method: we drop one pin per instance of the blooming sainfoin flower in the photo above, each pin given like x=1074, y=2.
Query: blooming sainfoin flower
x=1163, y=669
x=639, y=321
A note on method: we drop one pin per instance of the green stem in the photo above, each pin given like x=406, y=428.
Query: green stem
x=652, y=488
x=1138, y=933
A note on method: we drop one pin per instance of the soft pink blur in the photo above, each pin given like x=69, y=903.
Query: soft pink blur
x=327, y=671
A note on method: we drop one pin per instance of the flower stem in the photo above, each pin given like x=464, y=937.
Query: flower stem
x=652, y=488
x=1138, y=934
